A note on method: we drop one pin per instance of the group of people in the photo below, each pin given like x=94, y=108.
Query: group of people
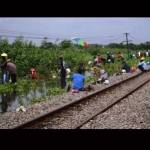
x=110, y=58
x=98, y=71
x=78, y=77
x=140, y=54
x=9, y=71
x=142, y=65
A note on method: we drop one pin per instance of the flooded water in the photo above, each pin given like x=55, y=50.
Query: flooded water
x=11, y=101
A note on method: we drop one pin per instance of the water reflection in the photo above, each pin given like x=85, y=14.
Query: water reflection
x=10, y=101
x=6, y=100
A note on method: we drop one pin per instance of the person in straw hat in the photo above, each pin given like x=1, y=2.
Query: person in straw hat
x=9, y=68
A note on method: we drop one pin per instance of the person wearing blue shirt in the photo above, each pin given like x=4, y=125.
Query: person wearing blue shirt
x=78, y=81
x=143, y=65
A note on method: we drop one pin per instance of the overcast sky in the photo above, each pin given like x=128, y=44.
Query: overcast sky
x=93, y=30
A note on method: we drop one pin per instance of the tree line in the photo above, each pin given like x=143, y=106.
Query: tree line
x=26, y=54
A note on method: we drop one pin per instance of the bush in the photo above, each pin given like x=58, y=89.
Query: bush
x=55, y=91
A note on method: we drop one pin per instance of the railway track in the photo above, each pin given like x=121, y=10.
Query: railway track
x=75, y=114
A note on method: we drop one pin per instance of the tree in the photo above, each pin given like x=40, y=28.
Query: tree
x=66, y=44
x=113, y=45
x=31, y=45
x=4, y=44
x=147, y=45
x=19, y=42
x=45, y=44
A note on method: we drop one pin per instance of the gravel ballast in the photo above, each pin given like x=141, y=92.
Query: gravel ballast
x=11, y=119
x=132, y=112
x=71, y=117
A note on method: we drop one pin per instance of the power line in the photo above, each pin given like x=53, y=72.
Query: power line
x=136, y=39
x=25, y=35
x=38, y=36
x=16, y=32
x=100, y=37
x=28, y=37
x=127, y=42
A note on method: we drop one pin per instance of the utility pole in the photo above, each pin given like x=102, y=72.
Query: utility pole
x=127, y=43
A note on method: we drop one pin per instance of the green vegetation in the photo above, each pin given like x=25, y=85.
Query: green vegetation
x=37, y=100
x=21, y=87
x=90, y=79
x=6, y=88
x=26, y=54
x=55, y=91
x=51, y=92
x=44, y=58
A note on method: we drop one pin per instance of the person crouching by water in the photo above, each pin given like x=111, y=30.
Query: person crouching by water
x=9, y=67
x=143, y=66
x=126, y=67
x=103, y=76
x=78, y=81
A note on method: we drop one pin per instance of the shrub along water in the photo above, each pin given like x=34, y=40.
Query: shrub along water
x=45, y=59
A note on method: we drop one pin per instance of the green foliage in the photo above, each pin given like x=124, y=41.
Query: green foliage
x=113, y=68
x=141, y=46
x=55, y=91
x=93, y=51
x=45, y=58
x=90, y=79
x=22, y=86
x=75, y=56
x=19, y=42
x=46, y=45
x=65, y=44
x=6, y=88
x=37, y=100
x=4, y=44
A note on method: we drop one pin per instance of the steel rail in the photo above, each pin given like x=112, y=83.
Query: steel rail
x=42, y=117
x=111, y=105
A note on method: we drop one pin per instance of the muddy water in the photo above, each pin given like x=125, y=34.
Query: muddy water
x=11, y=101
